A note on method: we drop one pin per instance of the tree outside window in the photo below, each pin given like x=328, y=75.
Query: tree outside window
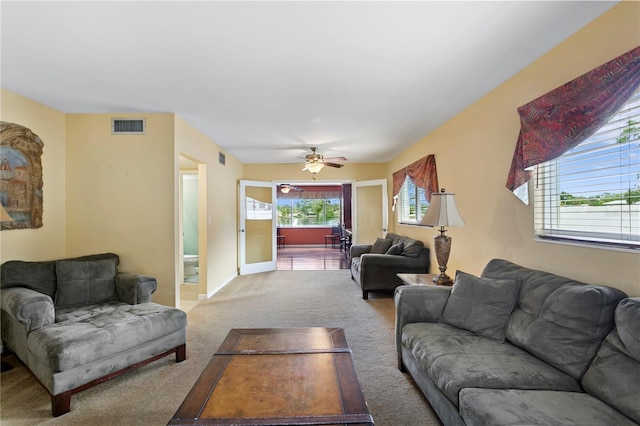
x=301, y=212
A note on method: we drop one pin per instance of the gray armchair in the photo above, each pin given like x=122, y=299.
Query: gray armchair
x=374, y=267
x=78, y=322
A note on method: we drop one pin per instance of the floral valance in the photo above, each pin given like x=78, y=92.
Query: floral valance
x=423, y=174
x=563, y=118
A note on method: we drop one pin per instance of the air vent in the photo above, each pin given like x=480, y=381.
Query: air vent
x=221, y=158
x=128, y=126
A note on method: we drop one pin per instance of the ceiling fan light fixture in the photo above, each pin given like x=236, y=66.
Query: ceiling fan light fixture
x=285, y=189
x=315, y=167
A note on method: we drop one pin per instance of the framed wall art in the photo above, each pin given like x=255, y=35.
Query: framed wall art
x=20, y=177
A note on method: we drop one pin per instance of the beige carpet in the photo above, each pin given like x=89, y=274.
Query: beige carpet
x=152, y=394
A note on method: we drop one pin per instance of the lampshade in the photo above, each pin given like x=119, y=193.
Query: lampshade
x=442, y=211
x=314, y=167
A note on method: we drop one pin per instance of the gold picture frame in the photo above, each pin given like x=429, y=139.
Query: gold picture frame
x=20, y=177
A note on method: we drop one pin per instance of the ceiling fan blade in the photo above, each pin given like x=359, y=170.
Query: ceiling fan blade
x=333, y=164
x=335, y=159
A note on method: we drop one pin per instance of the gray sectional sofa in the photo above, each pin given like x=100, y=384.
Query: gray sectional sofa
x=374, y=267
x=519, y=346
x=78, y=322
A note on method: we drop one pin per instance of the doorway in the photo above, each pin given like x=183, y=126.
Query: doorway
x=311, y=218
x=191, y=253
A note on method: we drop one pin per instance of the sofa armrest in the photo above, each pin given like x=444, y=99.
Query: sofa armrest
x=28, y=307
x=359, y=249
x=418, y=304
x=135, y=288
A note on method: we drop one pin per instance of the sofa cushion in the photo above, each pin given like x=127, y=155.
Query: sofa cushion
x=628, y=325
x=38, y=276
x=84, y=282
x=455, y=359
x=380, y=246
x=412, y=248
x=578, y=316
x=355, y=264
x=481, y=305
x=85, y=334
x=614, y=374
x=395, y=249
x=480, y=407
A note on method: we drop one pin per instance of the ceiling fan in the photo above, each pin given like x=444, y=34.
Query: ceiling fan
x=285, y=188
x=315, y=161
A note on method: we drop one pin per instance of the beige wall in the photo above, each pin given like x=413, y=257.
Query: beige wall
x=473, y=154
x=120, y=195
x=221, y=204
x=47, y=242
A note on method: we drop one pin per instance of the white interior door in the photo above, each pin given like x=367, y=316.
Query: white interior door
x=257, y=227
x=371, y=214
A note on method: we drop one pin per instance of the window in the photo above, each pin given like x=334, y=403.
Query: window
x=320, y=210
x=412, y=204
x=592, y=192
x=258, y=210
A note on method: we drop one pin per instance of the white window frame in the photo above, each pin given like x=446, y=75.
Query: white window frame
x=404, y=215
x=570, y=217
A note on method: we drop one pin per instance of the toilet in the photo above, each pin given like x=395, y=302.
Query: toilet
x=190, y=264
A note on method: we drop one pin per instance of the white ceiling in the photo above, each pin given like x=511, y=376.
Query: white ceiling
x=266, y=80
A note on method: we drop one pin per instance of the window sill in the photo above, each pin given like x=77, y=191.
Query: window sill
x=586, y=244
x=414, y=224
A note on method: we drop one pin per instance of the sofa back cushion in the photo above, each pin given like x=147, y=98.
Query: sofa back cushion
x=39, y=276
x=85, y=282
x=410, y=247
x=380, y=246
x=559, y=320
x=614, y=374
x=481, y=305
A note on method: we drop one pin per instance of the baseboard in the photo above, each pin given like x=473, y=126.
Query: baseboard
x=217, y=289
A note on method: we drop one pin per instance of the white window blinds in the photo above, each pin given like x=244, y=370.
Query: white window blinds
x=592, y=192
x=412, y=204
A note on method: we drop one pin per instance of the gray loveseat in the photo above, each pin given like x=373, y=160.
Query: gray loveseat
x=374, y=267
x=78, y=322
x=518, y=346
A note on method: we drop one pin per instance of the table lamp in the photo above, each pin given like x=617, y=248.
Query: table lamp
x=442, y=212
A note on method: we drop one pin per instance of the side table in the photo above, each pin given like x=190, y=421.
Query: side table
x=419, y=279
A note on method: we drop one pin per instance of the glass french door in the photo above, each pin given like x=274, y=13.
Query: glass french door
x=257, y=227
x=371, y=214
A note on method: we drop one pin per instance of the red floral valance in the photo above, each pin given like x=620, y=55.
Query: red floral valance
x=563, y=118
x=422, y=173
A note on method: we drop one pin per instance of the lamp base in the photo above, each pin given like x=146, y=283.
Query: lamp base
x=442, y=279
x=442, y=246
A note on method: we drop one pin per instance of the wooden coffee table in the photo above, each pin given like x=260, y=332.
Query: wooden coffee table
x=278, y=376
